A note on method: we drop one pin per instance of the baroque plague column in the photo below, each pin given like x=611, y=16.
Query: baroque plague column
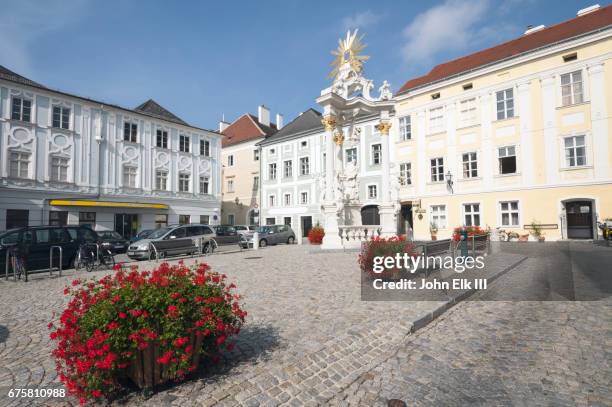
x=347, y=98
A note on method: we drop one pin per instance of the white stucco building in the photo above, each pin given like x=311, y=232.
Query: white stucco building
x=65, y=159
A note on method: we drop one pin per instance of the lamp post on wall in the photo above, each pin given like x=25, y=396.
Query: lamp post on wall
x=449, y=181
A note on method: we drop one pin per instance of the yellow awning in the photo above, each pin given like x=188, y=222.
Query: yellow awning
x=106, y=204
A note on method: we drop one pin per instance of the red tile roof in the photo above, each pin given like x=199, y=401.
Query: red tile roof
x=571, y=28
x=246, y=128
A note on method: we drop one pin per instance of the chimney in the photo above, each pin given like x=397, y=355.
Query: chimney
x=531, y=29
x=223, y=125
x=279, y=121
x=588, y=10
x=263, y=115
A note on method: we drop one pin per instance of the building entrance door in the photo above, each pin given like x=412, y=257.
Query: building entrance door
x=405, y=226
x=126, y=224
x=306, y=225
x=579, y=219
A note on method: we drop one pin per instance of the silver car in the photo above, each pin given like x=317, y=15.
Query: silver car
x=183, y=239
x=270, y=234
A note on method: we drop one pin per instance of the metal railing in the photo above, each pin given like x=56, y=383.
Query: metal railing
x=61, y=252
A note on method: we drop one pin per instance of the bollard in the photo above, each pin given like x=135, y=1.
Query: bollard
x=464, y=243
x=255, y=241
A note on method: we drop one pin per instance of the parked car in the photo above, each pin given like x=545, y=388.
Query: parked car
x=35, y=244
x=183, y=239
x=270, y=234
x=226, y=234
x=141, y=235
x=242, y=229
x=113, y=241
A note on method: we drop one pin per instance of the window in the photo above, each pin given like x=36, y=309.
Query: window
x=272, y=200
x=468, y=86
x=435, y=96
x=571, y=88
x=287, y=221
x=467, y=111
x=230, y=160
x=256, y=154
x=303, y=144
x=372, y=192
x=184, y=142
x=438, y=216
x=87, y=219
x=58, y=218
x=161, y=221
x=129, y=176
x=437, y=169
x=231, y=219
x=21, y=109
x=161, y=139
x=507, y=160
x=505, y=104
x=570, y=57
x=405, y=129
x=161, y=180
x=351, y=155
x=184, y=220
x=304, y=198
x=130, y=131
x=287, y=199
x=471, y=214
x=256, y=182
x=304, y=166
x=59, y=169
x=205, y=148
x=470, y=165
x=509, y=213
x=272, y=171
x=61, y=117
x=230, y=185
x=272, y=151
x=287, y=169
x=575, y=151
x=204, y=184
x=405, y=177
x=19, y=164
x=270, y=221
x=205, y=219
x=436, y=119
x=376, y=154
x=184, y=182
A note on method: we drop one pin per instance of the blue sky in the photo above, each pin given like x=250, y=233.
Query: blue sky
x=202, y=59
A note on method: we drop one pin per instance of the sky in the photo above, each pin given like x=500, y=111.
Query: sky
x=205, y=60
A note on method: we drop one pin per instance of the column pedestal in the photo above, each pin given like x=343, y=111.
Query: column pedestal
x=387, y=220
x=332, y=239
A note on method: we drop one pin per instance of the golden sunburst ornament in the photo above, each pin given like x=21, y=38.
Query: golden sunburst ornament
x=349, y=50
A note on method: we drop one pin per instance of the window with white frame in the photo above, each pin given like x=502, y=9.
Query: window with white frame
x=230, y=160
x=21, y=109
x=351, y=155
x=287, y=199
x=204, y=148
x=287, y=169
x=230, y=185
x=129, y=176
x=505, y=104
x=272, y=171
x=19, y=164
x=470, y=165
x=372, y=192
x=405, y=177
x=437, y=169
x=61, y=117
x=575, y=151
x=256, y=154
x=304, y=197
x=304, y=166
x=438, y=216
x=204, y=184
x=184, y=143
x=161, y=180
x=509, y=213
x=405, y=128
x=272, y=200
x=59, y=169
x=571, y=88
x=436, y=119
x=161, y=139
x=376, y=154
x=471, y=214
x=467, y=111
x=507, y=159
x=130, y=132
x=184, y=180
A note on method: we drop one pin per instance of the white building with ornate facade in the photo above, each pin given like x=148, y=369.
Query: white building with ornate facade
x=66, y=159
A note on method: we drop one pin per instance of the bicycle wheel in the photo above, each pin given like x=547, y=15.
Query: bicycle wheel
x=107, y=258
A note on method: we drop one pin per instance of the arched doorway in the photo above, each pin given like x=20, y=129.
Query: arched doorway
x=253, y=217
x=370, y=215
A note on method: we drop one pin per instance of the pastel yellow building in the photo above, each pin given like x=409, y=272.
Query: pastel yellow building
x=511, y=135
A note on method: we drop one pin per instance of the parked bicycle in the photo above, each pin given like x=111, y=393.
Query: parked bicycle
x=17, y=262
x=92, y=255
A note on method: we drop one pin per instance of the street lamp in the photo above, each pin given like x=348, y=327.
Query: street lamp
x=449, y=181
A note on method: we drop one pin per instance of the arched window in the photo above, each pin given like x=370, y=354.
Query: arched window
x=369, y=215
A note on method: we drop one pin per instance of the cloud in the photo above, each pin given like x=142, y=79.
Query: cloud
x=23, y=22
x=452, y=26
x=360, y=20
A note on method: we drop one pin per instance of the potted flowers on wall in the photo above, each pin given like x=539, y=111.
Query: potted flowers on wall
x=536, y=231
x=433, y=230
x=150, y=327
x=316, y=234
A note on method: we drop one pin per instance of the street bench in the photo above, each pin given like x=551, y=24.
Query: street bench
x=435, y=248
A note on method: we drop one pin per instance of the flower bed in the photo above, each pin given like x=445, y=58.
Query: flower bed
x=316, y=234
x=149, y=326
x=380, y=246
x=471, y=231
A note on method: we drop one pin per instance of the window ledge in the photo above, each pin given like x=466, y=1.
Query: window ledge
x=436, y=133
x=514, y=174
x=21, y=122
x=507, y=119
x=576, y=168
x=586, y=102
x=469, y=126
x=470, y=179
x=436, y=182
